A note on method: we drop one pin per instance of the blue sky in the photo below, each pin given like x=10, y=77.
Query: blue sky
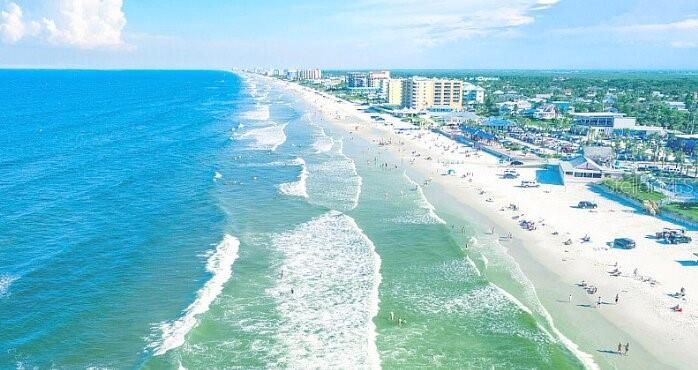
x=606, y=34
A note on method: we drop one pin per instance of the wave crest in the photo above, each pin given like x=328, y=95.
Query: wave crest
x=220, y=265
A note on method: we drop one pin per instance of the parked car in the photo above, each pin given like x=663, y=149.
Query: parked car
x=623, y=243
x=679, y=239
x=585, y=204
x=529, y=184
x=516, y=163
x=673, y=236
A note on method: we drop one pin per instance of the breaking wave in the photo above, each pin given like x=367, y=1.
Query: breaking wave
x=299, y=187
x=327, y=294
x=220, y=265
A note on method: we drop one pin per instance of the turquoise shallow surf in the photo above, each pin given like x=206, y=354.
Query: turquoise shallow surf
x=195, y=219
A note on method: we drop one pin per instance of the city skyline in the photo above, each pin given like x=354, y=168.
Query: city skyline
x=446, y=34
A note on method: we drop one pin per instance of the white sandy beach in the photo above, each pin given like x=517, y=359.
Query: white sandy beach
x=643, y=313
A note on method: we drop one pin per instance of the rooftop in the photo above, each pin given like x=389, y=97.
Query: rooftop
x=598, y=114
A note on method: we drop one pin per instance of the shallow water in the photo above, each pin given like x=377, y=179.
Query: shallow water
x=152, y=221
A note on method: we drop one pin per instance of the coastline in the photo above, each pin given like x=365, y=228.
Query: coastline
x=642, y=317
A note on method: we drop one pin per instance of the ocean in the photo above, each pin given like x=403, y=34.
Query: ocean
x=206, y=220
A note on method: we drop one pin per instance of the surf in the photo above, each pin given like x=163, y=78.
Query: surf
x=336, y=180
x=5, y=283
x=426, y=213
x=220, y=265
x=327, y=294
x=297, y=188
x=265, y=138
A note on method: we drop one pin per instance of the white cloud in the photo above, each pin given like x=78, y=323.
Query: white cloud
x=684, y=44
x=84, y=24
x=12, y=27
x=679, y=34
x=690, y=24
x=545, y=4
x=441, y=21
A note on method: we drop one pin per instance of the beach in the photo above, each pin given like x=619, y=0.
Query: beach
x=562, y=275
x=293, y=231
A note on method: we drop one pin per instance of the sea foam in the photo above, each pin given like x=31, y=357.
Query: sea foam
x=220, y=265
x=334, y=271
x=265, y=138
x=531, y=296
x=5, y=282
x=336, y=179
x=260, y=113
x=323, y=143
x=299, y=187
x=425, y=213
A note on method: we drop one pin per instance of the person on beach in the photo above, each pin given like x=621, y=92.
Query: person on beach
x=598, y=302
x=617, y=298
x=392, y=316
x=627, y=347
x=570, y=299
x=620, y=348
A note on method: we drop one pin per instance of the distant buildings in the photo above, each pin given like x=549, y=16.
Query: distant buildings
x=473, y=94
x=678, y=105
x=546, y=112
x=514, y=107
x=357, y=79
x=299, y=75
x=291, y=74
x=686, y=143
x=602, y=122
x=310, y=74
x=378, y=78
x=394, y=93
x=421, y=94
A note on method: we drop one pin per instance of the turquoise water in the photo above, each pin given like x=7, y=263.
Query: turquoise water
x=194, y=219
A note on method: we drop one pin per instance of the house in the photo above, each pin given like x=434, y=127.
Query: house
x=514, y=107
x=677, y=105
x=602, y=155
x=604, y=122
x=581, y=168
x=546, y=112
x=686, y=143
x=498, y=124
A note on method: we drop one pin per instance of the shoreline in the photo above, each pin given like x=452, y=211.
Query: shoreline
x=644, y=318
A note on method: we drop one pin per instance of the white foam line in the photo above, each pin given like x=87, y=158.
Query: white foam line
x=586, y=359
x=265, y=138
x=485, y=260
x=513, y=299
x=220, y=265
x=473, y=265
x=297, y=188
x=335, y=271
x=357, y=195
x=323, y=143
x=292, y=162
x=5, y=283
x=337, y=179
x=423, y=202
x=260, y=113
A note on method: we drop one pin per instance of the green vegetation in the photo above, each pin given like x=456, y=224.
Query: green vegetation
x=641, y=94
x=685, y=210
x=634, y=188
